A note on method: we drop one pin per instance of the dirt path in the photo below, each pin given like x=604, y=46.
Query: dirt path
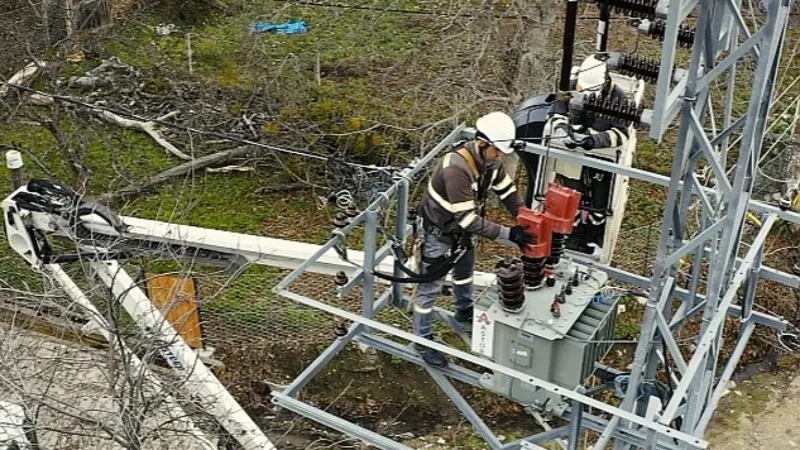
x=760, y=414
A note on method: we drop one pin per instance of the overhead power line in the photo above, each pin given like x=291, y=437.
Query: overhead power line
x=433, y=12
x=187, y=129
x=426, y=12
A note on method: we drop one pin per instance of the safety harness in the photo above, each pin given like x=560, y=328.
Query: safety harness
x=441, y=265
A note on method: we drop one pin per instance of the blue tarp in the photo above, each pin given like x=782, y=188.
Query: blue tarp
x=291, y=27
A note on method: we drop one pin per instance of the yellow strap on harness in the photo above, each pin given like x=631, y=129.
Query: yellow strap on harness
x=470, y=160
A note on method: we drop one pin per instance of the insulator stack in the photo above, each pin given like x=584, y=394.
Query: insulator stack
x=351, y=211
x=558, y=244
x=533, y=259
x=533, y=271
x=613, y=109
x=555, y=309
x=510, y=284
x=645, y=9
x=658, y=27
x=341, y=278
x=340, y=329
x=639, y=67
x=340, y=220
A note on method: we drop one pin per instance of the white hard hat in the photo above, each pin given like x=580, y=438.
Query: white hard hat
x=499, y=130
x=592, y=75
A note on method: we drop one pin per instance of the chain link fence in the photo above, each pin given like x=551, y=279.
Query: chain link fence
x=779, y=168
x=237, y=309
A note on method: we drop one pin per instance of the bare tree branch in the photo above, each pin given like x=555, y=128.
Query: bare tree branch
x=145, y=127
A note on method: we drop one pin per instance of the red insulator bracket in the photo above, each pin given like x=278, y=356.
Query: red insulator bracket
x=541, y=226
x=561, y=205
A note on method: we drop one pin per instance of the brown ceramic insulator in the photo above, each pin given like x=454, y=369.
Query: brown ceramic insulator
x=533, y=271
x=511, y=287
x=351, y=211
x=558, y=244
x=555, y=309
x=340, y=220
x=341, y=278
x=340, y=329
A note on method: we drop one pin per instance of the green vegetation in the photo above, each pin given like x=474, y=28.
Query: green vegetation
x=629, y=324
x=349, y=49
x=353, y=71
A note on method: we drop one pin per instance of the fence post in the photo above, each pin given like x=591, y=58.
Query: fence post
x=14, y=163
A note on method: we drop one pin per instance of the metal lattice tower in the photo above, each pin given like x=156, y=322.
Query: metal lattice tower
x=718, y=240
x=718, y=270
x=712, y=248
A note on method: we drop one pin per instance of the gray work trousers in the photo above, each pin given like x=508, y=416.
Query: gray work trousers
x=425, y=298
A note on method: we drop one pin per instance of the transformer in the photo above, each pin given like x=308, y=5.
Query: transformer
x=563, y=350
x=555, y=330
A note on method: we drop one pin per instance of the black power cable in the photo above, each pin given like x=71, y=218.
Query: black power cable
x=423, y=12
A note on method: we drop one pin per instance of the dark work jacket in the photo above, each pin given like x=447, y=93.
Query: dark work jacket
x=455, y=194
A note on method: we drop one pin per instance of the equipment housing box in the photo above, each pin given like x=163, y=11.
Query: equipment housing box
x=562, y=350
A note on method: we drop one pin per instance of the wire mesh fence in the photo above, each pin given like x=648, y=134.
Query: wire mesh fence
x=779, y=169
x=238, y=309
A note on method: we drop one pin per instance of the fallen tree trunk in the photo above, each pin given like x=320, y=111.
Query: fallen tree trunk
x=183, y=169
x=190, y=167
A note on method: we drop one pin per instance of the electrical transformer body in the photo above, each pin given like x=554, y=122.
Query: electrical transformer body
x=562, y=350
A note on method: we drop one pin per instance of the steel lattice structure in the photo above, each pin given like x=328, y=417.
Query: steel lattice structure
x=719, y=239
x=713, y=249
x=715, y=245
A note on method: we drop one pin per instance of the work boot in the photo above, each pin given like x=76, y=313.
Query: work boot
x=464, y=316
x=431, y=356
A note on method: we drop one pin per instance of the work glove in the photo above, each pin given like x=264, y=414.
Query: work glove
x=561, y=132
x=572, y=142
x=520, y=236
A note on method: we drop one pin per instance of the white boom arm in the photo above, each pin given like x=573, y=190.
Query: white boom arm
x=30, y=213
x=25, y=221
x=185, y=361
x=261, y=250
x=176, y=413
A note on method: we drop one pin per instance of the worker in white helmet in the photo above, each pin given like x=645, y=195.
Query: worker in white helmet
x=452, y=211
x=587, y=132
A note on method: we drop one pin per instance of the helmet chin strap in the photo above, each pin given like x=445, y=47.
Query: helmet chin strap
x=483, y=145
x=482, y=142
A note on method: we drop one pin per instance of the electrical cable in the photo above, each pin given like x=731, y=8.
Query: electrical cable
x=344, y=199
x=427, y=12
x=214, y=134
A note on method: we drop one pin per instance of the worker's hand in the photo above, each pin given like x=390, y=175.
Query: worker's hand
x=585, y=142
x=562, y=132
x=520, y=236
